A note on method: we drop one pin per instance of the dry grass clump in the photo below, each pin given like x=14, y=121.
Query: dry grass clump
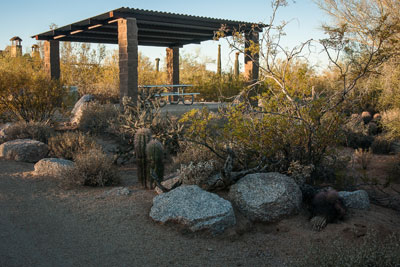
x=363, y=157
x=67, y=145
x=96, y=118
x=371, y=252
x=94, y=168
x=39, y=131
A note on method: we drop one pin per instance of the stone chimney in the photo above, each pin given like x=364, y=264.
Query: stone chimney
x=16, y=47
x=35, y=51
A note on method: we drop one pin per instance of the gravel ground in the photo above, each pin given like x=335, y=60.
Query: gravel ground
x=45, y=224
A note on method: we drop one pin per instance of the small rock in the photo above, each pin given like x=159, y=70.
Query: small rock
x=53, y=167
x=193, y=208
x=167, y=184
x=266, y=197
x=356, y=200
x=25, y=150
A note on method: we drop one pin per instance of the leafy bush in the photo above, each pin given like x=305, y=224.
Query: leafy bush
x=39, y=131
x=371, y=252
x=67, y=145
x=94, y=168
x=96, y=118
x=26, y=93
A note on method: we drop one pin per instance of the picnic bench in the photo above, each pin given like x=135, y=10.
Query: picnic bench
x=172, y=97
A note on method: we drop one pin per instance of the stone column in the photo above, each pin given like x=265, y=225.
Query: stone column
x=128, y=58
x=251, y=63
x=52, y=58
x=173, y=65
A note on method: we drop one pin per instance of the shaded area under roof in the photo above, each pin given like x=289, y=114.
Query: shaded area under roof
x=154, y=28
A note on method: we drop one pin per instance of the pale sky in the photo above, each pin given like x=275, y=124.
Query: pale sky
x=25, y=18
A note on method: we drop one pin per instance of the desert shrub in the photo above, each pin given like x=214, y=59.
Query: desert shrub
x=372, y=251
x=256, y=137
x=134, y=117
x=39, y=131
x=96, y=118
x=381, y=145
x=199, y=173
x=26, y=92
x=67, y=145
x=94, y=168
x=391, y=123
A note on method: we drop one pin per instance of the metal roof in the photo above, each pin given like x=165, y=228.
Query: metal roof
x=154, y=28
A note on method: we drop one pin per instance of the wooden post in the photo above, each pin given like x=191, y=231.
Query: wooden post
x=219, y=69
x=128, y=58
x=52, y=59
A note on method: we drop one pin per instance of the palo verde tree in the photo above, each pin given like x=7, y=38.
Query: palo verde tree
x=295, y=124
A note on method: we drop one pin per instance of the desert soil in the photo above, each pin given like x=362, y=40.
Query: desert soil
x=43, y=223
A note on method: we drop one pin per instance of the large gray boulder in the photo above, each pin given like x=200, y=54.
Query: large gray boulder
x=266, y=197
x=79, y=108
x=25, y=150
x=355, y=200
x=193, y=208
x=53, y=167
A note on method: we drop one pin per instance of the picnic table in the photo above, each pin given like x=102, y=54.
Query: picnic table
x=164, y=94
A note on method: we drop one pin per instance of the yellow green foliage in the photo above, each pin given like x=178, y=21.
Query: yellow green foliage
x=26, y=92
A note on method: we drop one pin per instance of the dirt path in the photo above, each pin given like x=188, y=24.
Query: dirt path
x=43, y=224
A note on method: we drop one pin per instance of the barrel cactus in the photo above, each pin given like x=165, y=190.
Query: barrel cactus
x=155, y=157
x=142, y=138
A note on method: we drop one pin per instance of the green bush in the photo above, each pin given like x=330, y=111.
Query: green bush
x=26, y=92
x=39, y=131
x=262, y=136
x=94, y=168
x=69, y=144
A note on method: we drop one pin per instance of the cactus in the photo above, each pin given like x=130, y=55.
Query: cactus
x=155, y=157
x=142, y=137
